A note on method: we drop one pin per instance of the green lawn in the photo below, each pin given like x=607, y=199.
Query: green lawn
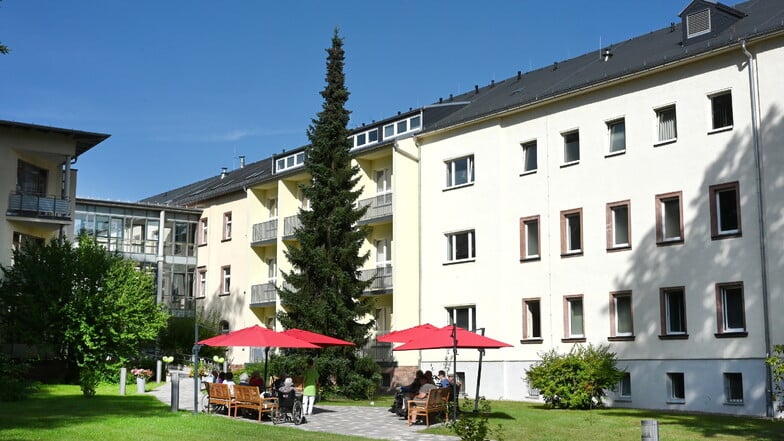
x=62, y=413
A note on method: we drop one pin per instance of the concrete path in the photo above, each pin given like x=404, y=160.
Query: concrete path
x=371, y=422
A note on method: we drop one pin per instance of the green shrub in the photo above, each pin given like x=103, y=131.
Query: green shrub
x=576, y=380
x=471, y=426
x=776, y=363
x=14, y=380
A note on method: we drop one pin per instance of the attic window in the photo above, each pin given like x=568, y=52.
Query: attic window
x=698, y=23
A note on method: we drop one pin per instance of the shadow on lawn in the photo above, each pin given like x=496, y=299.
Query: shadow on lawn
x=710, y=425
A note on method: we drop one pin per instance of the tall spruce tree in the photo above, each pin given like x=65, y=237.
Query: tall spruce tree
x=325, y=293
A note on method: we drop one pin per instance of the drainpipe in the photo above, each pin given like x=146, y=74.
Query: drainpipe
x=760, y=224
x=159, y=256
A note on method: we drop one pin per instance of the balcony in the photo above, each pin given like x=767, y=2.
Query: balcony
x=264, y=294
x=46, y=207
x=265, y=233
x=182, y=307
x=380, y=352
x=379, y=209
x=381, y=277
x=290, y=225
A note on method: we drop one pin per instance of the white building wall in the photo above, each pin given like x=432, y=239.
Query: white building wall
x=496, y=281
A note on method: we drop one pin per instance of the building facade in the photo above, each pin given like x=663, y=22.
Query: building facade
x=630, y=197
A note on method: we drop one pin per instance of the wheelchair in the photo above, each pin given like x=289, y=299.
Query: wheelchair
x=289, y=408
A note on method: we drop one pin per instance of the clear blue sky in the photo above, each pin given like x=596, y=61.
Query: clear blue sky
x=185, y=87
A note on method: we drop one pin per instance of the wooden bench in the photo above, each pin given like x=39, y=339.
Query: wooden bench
x=433, y=402
x=220, y=395
x=248, y=397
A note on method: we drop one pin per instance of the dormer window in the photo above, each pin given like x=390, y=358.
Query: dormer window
x=698, y=23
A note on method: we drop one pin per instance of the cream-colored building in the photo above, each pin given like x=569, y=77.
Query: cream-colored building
x=630, y=197
x=38, y=182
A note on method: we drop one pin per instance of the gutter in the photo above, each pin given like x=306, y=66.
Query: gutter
x=755, y=129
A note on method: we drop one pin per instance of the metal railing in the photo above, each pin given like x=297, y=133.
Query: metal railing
x=381, y=277
x=37, y=205
x=291, y=224
x=265, y=231
x=378, y=207
x=263, y=293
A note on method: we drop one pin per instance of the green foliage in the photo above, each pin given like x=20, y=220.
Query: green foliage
x=474, y=426
x=94, y=307
x=576, y=380
x=13, y=379
x=776, y=363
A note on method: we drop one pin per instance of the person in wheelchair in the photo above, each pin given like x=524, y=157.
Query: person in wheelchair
x=289, y=404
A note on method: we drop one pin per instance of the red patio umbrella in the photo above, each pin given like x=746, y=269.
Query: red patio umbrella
x=407, y=334
x=320, y=340
x=452, y=336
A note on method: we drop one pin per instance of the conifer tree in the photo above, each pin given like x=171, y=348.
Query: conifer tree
x=324, y=292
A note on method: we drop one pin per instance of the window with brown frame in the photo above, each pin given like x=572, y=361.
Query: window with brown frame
x=669, y=218
x=227, y=225
x=529, y=238
x=725, y=210
x=532, y=320
x=574, y=319
x=619, y=228
x=672, y=302
x=621, y=322
x=571, y=232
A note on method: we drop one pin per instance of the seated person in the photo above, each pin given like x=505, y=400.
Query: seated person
x=443, y=381
x=255, y=380
x=278, y=383
x=244, y=379
x=426, y=386
x=230, y=382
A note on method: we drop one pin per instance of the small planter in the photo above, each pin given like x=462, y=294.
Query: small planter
x=141, y=383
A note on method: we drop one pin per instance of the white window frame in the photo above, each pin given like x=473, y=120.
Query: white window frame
x=716, y=210
x=470, y=310
x=383, y=252
x=452, y=238
x=660, y=131
x=616, y=311
x=203, y=231
x=571, y=219
x=611, y=125
x=227, y=225
x=451, y=171
x=724, y=312
x=291, y=161
x=612, y=226
x=383, y=179
x=272, y=270
x=272, y=208
x=526, y=236
x=570, y=314
x=226, y=280
x=713, y=109
x=530, y=154
x=626, y=379
x=566, y=144
x=531, y=319
x=668, y=330
x=664, y=220
x=202, y=289
x=672, y=390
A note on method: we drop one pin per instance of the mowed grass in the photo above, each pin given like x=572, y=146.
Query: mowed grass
x=536, y=422
x=62, y=413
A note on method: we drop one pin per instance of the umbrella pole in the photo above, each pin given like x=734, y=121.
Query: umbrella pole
x=479, y=376
x=454, y=371
x=266, y=354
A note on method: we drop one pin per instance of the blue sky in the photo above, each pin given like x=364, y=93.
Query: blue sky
x=185, y=87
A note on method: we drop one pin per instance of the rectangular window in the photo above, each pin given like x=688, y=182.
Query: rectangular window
x=676, y=388
x=571, y=146
x=462, y=316
x=669, y=221
x=383, y=252
x=530, y=161
x=621, y=321
x=226, y=280
x=460, y=171
x=625, y=386
x=203, y=231
x=571, y=232
x=272, y=269
x=532, y=319
x=30, y=180
x=667, y=129
x=730, y=308
x=721, y=110
x=725, y=210
x=619, y=228
x=202, y=290
x=402, y=126
x=227, y=225
x=383, y=181
x=673, y=311
x=733, y=387
x=529, y=237
x=272, y=207
x=573, y=317
x=416, y=122
x=389, y=131
x=616, y=131
x=461, y=246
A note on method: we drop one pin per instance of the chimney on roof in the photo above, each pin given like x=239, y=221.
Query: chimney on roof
x=242, y=161
x=476, y=88
x=607, y=54
x=672, y=26
x=555, y=65
x=224, y=172
x=450, y=97
x=519, y=75
x=492, y=83
x=440, y=100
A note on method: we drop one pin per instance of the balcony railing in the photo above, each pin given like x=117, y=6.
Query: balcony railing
x=381, y=277
x=290, y=225
x=378, y=207
x=20, y=204
x=381, y=352
x=263, y=294
x=265, y=231
x=181, y=306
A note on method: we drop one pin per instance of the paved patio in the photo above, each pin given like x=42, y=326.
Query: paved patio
x=368, y=421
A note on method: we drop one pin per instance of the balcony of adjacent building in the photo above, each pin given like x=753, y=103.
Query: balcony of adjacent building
x=380, y=352
x=290, y=226
x=265, y=233
x=39, y=208
x=181, y=307
x=379, y=209
x=381, y=280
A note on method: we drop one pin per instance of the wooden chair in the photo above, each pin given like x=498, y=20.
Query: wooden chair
x=433, y=402
x=248, y=397
x=220, y=395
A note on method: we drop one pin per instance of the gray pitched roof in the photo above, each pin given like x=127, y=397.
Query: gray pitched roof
x=632, y=56
x=83, y=140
